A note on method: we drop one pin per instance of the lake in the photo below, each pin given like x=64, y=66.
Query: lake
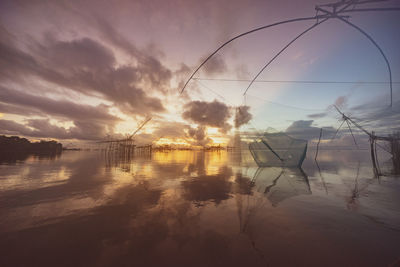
x=196, y=208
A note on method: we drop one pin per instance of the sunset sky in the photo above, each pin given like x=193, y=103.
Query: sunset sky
x=90, y=70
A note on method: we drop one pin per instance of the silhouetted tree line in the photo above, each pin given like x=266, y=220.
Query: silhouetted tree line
x=15, y=143
x=14, y=148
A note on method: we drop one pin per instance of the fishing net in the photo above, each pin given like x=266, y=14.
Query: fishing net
x=274, y=150
x=280, y=184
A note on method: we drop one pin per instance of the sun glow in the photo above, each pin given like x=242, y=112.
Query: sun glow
x=212, y=131
x=169, y=141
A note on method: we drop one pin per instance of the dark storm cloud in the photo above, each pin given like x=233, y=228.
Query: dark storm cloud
x=304, y=130
x=242, y=116
x=214, y=114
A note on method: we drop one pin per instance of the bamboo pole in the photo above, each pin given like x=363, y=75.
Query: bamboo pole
x=319, y=140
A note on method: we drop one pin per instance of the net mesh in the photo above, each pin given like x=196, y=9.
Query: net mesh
x=276, y=150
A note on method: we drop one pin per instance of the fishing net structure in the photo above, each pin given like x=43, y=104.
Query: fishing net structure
x=280, y=184
x=278, y=149
x=272, y=149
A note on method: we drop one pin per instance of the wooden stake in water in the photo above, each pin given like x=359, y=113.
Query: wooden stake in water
x=319, y=140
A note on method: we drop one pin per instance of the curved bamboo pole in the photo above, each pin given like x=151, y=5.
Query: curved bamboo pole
x=373, y=42
x=283, y=49
x=248, y=32
x=380, y=50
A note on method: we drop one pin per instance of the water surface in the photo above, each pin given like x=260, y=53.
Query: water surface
x=194, y=208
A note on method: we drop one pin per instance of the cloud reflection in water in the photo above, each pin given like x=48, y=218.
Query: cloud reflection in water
x=194, y=209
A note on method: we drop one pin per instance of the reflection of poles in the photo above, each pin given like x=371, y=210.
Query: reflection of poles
x=355, y=193
x=319, y=140
x=292, y=185
x=322, y=178
x=248, y=213
x=357, y=190
x=316, y=162
x=268, y=188
x=372, y=141
x=253, y=180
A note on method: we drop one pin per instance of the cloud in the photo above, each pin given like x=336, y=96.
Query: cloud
x=215, y=65
x=181, y=75
x=170, y=129
x=304, y=130
x=15, y=101
x=376, y=117
x=18, y=110
x=214, y=114
x=176, y=130
x=42, y=128
x=317, y=115
x=150, y=67
x=242, y=116
x=18, y=62
x=90, y=122
x=13, y=128
x=242, y=71
x=215, y=188
x=87, y=66
x=199, y=135
x=341, y=101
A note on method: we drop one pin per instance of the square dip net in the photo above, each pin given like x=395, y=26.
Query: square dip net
x=273, y=149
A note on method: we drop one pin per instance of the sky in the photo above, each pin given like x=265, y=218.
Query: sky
x=83, y=71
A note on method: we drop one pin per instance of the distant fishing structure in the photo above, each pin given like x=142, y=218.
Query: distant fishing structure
x=126, y=147
x=337, y=10
x=329, y=11
x=392, y=140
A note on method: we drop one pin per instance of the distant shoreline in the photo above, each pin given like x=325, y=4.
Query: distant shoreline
x=15, y=144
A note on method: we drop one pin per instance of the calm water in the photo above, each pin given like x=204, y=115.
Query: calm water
x=188, y=208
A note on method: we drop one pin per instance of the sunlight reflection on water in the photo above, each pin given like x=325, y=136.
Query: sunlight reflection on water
x=197, y=208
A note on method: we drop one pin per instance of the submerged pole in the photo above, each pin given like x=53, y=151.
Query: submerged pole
x=319, y=140
x=372, y=141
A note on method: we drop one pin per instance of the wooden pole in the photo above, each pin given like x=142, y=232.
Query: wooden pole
x=319, y=140
x=373, y=157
